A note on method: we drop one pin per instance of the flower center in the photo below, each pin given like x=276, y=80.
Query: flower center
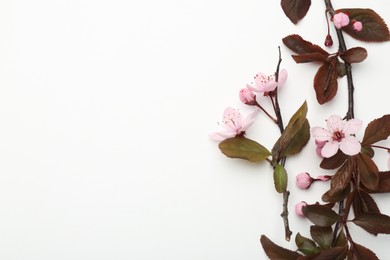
x=338, y=136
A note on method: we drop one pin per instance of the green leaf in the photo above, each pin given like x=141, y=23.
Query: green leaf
x=306, y=245
x=374, y=28
x=295, y=10
x=341, y=239
x=294, y=137
x=274, y=251
x=244, y=148
x=299, y=140
x=367, y=150
x=325, y=81
x=298, y=45
x=377, y=130
x=322, y=236
x=280, y=178
x=320, y=215
x=374, y=223
x=354, y=55
x=368, y=172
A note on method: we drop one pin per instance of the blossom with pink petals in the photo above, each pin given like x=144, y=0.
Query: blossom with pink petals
x=233, y=124
x=319, y=147
x=339, y=135
x=357, y=26
x=298, y=208
x=340, y=20
x=247, y=97
x=263, y=83
x=303, y=180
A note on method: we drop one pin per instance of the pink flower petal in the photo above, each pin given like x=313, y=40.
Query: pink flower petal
x=335, y=123
x=352, y=126
x=321, y=134
x=282, y=77
x=221, y=135
x=248, y=121
x=350, y=145
x=232, y=119
x=329, y=149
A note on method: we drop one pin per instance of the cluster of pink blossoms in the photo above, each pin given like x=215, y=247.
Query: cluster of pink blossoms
x=233, y=123
x=342, y=19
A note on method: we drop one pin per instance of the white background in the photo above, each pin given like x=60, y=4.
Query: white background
x=105, y=111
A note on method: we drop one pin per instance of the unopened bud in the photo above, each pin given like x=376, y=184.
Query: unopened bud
x=328, y=41
x=304, y=180
x=357, y=26
x=247, y=97
x=298, y=208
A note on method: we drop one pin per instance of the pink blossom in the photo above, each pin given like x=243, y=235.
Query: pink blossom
x=357, y=26
x=340, y=20
x=298, y=208
x=319, y=147
x=247, y=97
x=233, y=124
x=340, y=134
x=303, y=180
x=263, y=83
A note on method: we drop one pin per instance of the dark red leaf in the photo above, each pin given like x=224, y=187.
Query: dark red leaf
x=368, y=172
x=274, y=251
x=384, y=182
x=334, y=162
x=334, y=195
x=320, y=215
x=298, y=45
x=310, y=57
x=322, y=236
x=374, y=223
x=325, y=81
x=377, y=130
x=364, y=203
x=295, y=10
x=361, y=252
x=354, y=55
x=374, y=28
x=334, y=253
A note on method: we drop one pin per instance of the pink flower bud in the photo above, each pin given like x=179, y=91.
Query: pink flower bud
x=304, y=180
x=328, y=41
x=247, y=97
x=357, y=26
x=340, y=20
x=298, y=208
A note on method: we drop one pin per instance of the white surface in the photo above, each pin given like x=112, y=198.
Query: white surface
x=105, y=108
